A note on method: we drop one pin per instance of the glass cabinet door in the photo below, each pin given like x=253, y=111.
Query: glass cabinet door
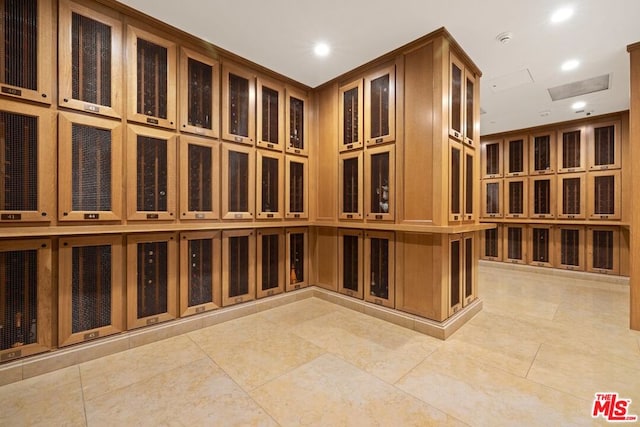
x=456, y=183
x=571, y=190
x=456, y=95
x=469, y=264
x=297, y=258
x=491, y=159
x=270, y=262
x=151, y=174
x=238, y=180
x=380, y=177
x=152, y=79
x=603, y=250
x=379, y=267
x=200, y=260
x=379, y=106
x=239, y=259
x=604, y=146
x=25, y=298
x=604, y=189
x=351, y=116
x=514, y=244
x=571, y=150
x=270, y=105
x=238, y=104
x=296, y=122
x=270, y=185
x=515, y=155
x=199, y=178
x=491, y=244
x=296, y=180
x=516, y=197
x=89, y=61
x=470, y=116
x=351, y=188
x=542, y=196
x=350, y=257
x=456, y=274
x=570, y=246
x=90, y=179
x=27, y=190
x=26, y=37
x=199, y=94
x=469, y=184
x=542, y=153
x=152, y=266
x=492, y=198
x=541, y=245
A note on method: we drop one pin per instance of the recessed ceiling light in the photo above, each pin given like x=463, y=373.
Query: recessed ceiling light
x=569, y=65
x=561, y=15
x=321, y=49
x=578, y=105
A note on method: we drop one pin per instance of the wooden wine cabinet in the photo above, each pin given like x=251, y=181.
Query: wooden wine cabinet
x=28, y=160
x=151, y=84
x=238, y=188
x=351, y=186
x=152, y=270
x=27, y=63
x=199, y=178
x=238, y=266
x=380, y=179
x=297, y=259
x=456, y=181
x=199, y=94
x=200, y=272
x=492, y=198
x=570, y=244
x=238, y=104
x=491, y=159
x=380, y=106
x=296, y=187
x=516, y=156
x=541, y=245
x=491, y=244
x=91, y=288
x=350, y=110
x=515, y=196
x=603, y=250
x=270, y=185
x=270, y=106
x=542, y=196
x=604, y=145
x=572, y=150
x=350, y=259
x=379, y=267
x=296, y=122
x=151, y=174
x=270, y=265
x=470, y=184
x=90, y=173
x=89, y=60
x=462, y=271
x=572, y=193
x=514, y=243
x=604, y=188
x=542, y=153
x=25, y=298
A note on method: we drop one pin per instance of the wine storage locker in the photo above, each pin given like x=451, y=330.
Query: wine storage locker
x=350, y=263
x=238, y=182
x=89, y=60
x=90, y=174
x=542, y=153
x=91, y=288
x=491, y=244
x=270, y=265
x=151, y=84
x=572, y=193
x=270, y=106
x=380, y=106
x=604, y=189
x=200, y=272
x=456, y=181
x=542, y=196
x=514, y=244
x=456, y=274
x=470, y=268
x=350, y=110
x=25, y=298
x=199, y=94
x=238, y=104
x=199, y=178
x=491, y=159
x=603, y=250
x=571, y=150
x=470, y=96
x=516, y=200
x=152, y=269
x=270, y=185
x=492, y=198
x=516, y=156
x=379, y=267
x=296, y=122
x=470, y=184
x=297, y=259
x=604, y=146
x=570, y=245
x=296, y=184
x=351, y=189
x=238, y=266
x=541, y=245
x=151, y=174
x=380, y=179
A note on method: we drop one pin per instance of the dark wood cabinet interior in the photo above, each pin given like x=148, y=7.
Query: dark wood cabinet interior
x=379, y=184
x=152, y=79
x=351, y=263
x=603, y=245
x=379, y=106
x=296, y=258
x=238, y=105
x=570, y=247
x=270, y=262
x=542, y=197
x=238, y=266
x=152, y=279
x=491, y=243
x=542, y=153
x=379, y=263
x=238, y=192
x=201, y=271
x=200, y=191
x=455, y=273
x=514, y=243
x=541, y=242
x=351, y=112
x=296, y=187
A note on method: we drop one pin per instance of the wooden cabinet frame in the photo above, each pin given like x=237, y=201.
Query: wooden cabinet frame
x=65, y=60
x=570, y=244
x=291, y=190
x=189, y=306
x=134, y=319
x=538, y=152
x=515, y=248
x=457, y=88
x=538, y=198
x=371, y=292
x=562, y=212
x=568, y=147
x=370, y=139
x=191, y=174
x=66, y=211
x=471, y=108
x=605, y=191
x=344, y=270
x=496, y=239
x=66, y=336
x=213, y=105
x=375, y=192
x=45, y=62
x=294, y=142
x=261, y=195
x=261, y=269
x=45, y=163
x=497, y=210
x=469, y=268
x=228, y=132
x=44, y=303
x=294, y=280
x=228, y=186
x=491, y=159
x=616, y=143
x=456, y=181
x=133, y=34
x=455, y=276
x=134, y=213
x=227, y=274
x=520, y=157
x=470, y=185
x=613, y=255
x=511, y=198
x=541, y=243
x=350, y=182
x=355, y=118
x=265, y=139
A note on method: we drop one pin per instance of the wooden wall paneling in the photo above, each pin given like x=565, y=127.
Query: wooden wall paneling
x=604, y=190
x=296, y=187
x=626, y=170
x=379, y=267
x=351, y=116
x=542, y=196
x=199, y=94
x=603, y=250
x=350, y=263
x=604, y=142
x=380, y=106
x=516, y=198
x=297, y=258
x=270, y=173
x=238, y=181
x=634, y=174
x=572, y=149
x=541, y=243
x=380, y=185
x=492, y=198
x=491, y=243
x=326, y=181
x=625, y=258
x=516, y=156
x=91, y=303
x=492, y=159
x=151, y=93
x=199, y=178
x=26, y=315
x=571, y=196
x=200, y=272
x=324, y=245
x=90, y=168
x=238, y=104
x=270, y=262
x=270, y=106
x=515, y=243
x=351, y=182
x=238, y=266
x=542, y=153
x=296, y=121
x=570, y=246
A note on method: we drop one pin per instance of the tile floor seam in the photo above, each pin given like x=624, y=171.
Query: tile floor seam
x=533, y=361
x=84, y=403
x=558, y=390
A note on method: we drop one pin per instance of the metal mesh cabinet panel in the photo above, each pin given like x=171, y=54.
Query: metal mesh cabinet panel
x=380, y=179
x=570, y=244
x=604, y=190
x=238, y=182
x=270, y=106
x=379, y=106
x=296, y=181
x=541, y=245
x=571, y=150
x=238, y=275
x=603, y=255
x=297, y=261
x=270, y=185
x=350, y=260
x=238, y=101
x=456, y=276
x=200, y=260
x=270, y=262
x=296, y=122
x=379, y=267
x=351, y=186
x=542, y=154
x=351, y=103
x=199, y=94
x=199, y=178
x=604, y=146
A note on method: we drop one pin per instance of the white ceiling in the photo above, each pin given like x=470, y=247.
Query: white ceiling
x=280, y=35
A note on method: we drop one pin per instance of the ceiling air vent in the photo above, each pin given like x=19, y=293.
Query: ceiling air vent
x=594, y=84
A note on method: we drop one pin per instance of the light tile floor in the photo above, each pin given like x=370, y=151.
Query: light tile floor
x=536, y=355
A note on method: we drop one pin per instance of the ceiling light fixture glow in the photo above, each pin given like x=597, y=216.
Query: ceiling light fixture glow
x=578, y=105
x=321, y=49
x=562, y=15
x=569, y=65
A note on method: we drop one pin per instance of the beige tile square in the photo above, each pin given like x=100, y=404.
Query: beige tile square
x=299, y=311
